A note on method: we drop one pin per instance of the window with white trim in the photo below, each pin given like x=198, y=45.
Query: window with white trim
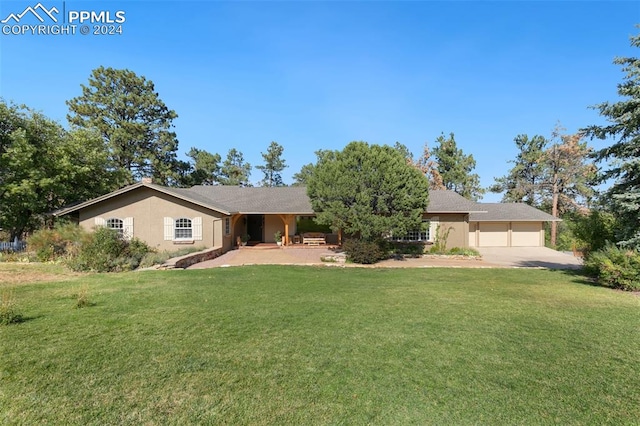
x=418, y=235
x=115, y=224
x=183, y=229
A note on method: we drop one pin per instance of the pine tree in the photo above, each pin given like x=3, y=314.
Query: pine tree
x=131, y=119
x=456, y=168
x=624, y=154
x=274, y=164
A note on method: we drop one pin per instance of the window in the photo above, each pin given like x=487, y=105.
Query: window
x=183, y=229
x=227, y=226
x=116, y=224
x=418, y=235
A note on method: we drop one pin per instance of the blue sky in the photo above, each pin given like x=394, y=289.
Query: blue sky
x=316, y=75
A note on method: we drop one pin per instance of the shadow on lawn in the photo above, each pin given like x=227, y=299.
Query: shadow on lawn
x=579, y=276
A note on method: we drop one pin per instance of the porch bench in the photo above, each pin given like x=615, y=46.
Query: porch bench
x=313, y=238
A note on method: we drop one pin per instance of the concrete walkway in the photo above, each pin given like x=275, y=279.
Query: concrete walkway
x=267, y=256
x=492, y=257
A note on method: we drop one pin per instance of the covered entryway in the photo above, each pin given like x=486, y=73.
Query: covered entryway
x=255, y=227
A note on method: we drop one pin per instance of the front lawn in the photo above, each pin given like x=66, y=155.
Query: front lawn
x=302, y=345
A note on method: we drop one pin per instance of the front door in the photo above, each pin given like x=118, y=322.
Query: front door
x=255, y=227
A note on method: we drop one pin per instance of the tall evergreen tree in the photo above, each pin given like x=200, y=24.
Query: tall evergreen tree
x=624, y=168
x=206, y=167
x=523, y=183
x=553, y=174
x=131, y=119
x=234, y=170
x=456, y=168
x=302, y=177
x=425, y=163
x=273, y=165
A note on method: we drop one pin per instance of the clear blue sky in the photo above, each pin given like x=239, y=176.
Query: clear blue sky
x=317, y=75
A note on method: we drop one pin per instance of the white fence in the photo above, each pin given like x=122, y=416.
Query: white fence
x=13, y=246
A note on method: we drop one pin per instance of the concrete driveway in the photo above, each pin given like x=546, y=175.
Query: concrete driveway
x=529, y=257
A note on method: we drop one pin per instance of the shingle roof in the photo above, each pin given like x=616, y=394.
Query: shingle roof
x=294, y=200
x=248, y=200
x=507, y=212
x=442, y=201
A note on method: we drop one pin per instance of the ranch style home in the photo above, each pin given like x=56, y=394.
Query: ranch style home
x=218, y=216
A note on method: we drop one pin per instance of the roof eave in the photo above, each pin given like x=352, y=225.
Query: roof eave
x=65, y=211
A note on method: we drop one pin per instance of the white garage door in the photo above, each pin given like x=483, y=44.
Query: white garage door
x=494, y=234
x=525, y=234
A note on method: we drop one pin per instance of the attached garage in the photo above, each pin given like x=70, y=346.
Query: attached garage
x=527, y=234
x=508, y=225
x=493, y=234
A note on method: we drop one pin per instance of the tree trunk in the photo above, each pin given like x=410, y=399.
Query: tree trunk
x=554, y=210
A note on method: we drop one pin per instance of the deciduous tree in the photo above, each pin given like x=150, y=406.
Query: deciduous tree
x=43, y=167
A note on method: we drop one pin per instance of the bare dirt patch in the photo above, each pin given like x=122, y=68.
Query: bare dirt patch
x=27, y=273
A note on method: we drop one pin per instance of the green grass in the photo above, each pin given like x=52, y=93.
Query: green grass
x=300, y=345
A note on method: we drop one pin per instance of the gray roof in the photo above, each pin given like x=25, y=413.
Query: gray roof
x=443, y=201
x=294, y=200
x=507, y=212
x=181, y=193
x=250, y=200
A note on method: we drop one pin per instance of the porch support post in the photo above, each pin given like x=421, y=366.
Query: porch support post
x=285, y=218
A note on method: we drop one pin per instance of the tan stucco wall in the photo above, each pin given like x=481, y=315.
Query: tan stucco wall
x=148, y=208
x=457, y=225
x=273, y=223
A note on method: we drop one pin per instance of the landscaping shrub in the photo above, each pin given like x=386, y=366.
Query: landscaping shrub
x=615, y=267
x=107, y=251
x=310, y=225
x=464, y=251
x=63, y=240
x=411, y=249
x=364, y=252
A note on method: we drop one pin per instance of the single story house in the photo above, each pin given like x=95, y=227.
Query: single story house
x=216, y=216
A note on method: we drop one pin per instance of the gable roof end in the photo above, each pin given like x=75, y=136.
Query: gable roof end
x=180, y=193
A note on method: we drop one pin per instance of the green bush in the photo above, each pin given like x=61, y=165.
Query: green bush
x=464, y=251
x=64, y=240
x=107, y=251
x=615, y=267
x=310, y=225
x=411, y=249
x=364, y=252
